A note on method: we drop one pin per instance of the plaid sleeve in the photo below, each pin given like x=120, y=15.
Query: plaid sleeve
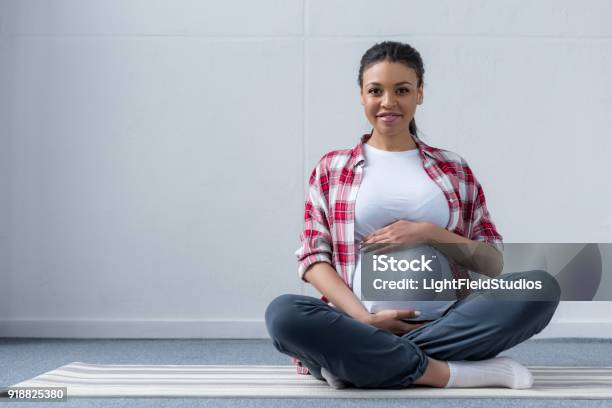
x=481, y=225
x=315, y=237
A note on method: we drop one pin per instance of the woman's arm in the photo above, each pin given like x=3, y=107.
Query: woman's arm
x=315, y=253
x=323, y=277
x=477, y=256
x=326, y=280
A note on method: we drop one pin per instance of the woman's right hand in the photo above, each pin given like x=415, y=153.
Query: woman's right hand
x=391, y=320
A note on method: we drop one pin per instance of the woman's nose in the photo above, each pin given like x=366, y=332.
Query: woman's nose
x=388, y=101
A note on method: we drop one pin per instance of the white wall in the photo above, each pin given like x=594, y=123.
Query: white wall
x=5, y=97
x=159, y=150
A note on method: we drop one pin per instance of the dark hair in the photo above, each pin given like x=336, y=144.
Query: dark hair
x=393, y=51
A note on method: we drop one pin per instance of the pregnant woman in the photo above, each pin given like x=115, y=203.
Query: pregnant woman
x=392, y=188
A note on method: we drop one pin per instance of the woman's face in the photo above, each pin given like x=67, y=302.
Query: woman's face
x=389, y=96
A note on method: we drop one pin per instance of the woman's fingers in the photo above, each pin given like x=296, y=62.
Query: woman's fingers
x=375, y=247
x=375, y=236
x=391, y=320
x=407, y=314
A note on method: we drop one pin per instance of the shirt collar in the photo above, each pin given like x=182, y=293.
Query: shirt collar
x=358, y=157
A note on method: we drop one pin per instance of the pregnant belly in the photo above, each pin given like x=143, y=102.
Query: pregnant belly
x=430, y=304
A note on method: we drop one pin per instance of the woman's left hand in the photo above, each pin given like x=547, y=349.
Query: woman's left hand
x=401, y=232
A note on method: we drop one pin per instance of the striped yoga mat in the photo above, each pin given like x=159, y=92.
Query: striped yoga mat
x=273, y=381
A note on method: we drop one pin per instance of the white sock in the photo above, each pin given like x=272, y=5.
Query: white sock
x=332, y=380
x=495, y=372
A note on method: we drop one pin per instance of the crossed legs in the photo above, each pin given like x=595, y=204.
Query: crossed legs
x=474, y=328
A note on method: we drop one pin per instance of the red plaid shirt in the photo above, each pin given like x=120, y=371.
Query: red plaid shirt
x=329, y=216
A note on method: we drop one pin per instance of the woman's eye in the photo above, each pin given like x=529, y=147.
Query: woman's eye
x=401, y=91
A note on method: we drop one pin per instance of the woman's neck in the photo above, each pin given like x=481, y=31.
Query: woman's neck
x=395, y=143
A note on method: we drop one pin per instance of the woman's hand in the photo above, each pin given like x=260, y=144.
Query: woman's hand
x=400, y=232
x=391, y=320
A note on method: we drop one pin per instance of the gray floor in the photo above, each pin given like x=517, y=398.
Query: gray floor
x=21, y=359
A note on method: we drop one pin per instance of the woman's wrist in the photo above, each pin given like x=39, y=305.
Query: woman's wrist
x=366, y=317
x=427, y=232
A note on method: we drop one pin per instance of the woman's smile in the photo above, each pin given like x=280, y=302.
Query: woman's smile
x=389, y=118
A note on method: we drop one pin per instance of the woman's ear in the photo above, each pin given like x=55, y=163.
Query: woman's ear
x=420, y=95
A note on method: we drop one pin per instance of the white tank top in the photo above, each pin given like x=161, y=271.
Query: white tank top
x=395, y=186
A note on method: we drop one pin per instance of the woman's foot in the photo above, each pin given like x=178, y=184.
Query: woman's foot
x=495, y=372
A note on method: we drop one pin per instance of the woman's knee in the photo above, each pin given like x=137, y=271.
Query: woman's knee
x=549, y=295
x=280, y=314
x=540, y=311
x=550, y=291
x=287, y=316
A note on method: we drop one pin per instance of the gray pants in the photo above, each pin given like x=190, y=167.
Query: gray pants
x=476, y=327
